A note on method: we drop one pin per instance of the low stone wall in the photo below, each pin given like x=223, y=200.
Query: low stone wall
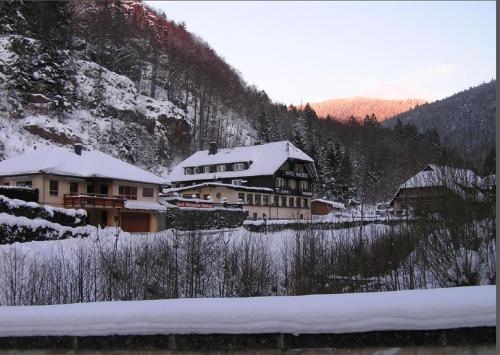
x=199, y=218
x=234, y=342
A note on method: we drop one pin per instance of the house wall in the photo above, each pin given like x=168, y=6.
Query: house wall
x=232, y=196
x=42, y=183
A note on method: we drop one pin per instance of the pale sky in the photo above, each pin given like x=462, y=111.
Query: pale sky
x=314, y=51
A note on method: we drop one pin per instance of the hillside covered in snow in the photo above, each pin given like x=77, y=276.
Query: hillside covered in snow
x=115, y=76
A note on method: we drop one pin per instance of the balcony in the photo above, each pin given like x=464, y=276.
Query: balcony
x=305, y=192
x=289, y=191
x=86, y=200
x=282, y=190
x=301, y=175
x=289, y=173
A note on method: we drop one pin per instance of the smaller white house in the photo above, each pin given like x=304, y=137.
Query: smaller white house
x=113, y=192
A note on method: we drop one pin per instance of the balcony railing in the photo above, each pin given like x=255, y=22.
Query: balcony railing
x=301, y=175
x=84, y=200
x=289, y=191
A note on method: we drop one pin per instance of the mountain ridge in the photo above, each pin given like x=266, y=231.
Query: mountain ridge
x=359, y=106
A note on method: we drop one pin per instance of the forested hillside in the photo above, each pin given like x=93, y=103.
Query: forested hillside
x=359, y=107
x=122, y=78
x=465, y=122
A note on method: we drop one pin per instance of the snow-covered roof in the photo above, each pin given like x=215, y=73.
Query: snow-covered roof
x=264, y=159
x=438, y=175
x=331, y=203
x=217, y=184
x=144, y=205
x=63, y=161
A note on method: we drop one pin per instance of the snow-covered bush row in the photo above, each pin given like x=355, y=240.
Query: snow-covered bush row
x=21, y=229
x=224, y=263
x=24, y=193
x=33, y=210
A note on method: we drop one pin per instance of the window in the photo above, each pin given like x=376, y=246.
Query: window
x=188, y=171
x=147, y=192
x=283, y=201
x=250, y=199
x=301, y=216
x=6, y=183
x=182, y=185
x=239, y=166
x=276, y=200
x=26, y=183
x=255, y=215
x=73, y=187
x=53, y=187
x=196, y=170
x=205, y=196
x=306, y=202
x=303, y=185
x=265, y=200
x=237, y=182
x=264, y=216
x=291, y=201
x=292, y=184
x=241, y=197
x=299, y=168
x=221, y=168
x=280, y=182
x=257, y=199
x=206, y=169
x=130, y=192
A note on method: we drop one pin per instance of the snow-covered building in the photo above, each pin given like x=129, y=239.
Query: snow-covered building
x=113, y=193
x=437, y=183
x=271, y=181
x=322, y=207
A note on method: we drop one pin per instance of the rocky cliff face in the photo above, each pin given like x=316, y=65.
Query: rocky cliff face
x=95, y=73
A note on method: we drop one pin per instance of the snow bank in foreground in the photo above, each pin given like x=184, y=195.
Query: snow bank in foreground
x=343, y=313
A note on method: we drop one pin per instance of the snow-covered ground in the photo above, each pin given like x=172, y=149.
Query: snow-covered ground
x=346, y=313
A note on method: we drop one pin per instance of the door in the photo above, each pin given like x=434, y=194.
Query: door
x=135, y=222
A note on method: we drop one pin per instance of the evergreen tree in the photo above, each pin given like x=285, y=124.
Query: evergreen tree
x=490, y=163
x=263, y=126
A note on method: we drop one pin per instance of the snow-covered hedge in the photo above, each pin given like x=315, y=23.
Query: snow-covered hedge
x=24, y=193
x=21, y=229
x=204, y=218
x=33, y=210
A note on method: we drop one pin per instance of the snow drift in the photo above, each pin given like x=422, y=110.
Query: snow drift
x=343, y=313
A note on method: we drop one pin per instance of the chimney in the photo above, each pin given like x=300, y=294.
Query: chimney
x=78, y=148
x=212, y=149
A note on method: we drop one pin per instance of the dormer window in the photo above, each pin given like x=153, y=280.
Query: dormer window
x=221, y=168
x=206, y=169
x=239, y=166
x=188, y=171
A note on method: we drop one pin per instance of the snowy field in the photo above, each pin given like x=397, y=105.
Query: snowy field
x=346, y=313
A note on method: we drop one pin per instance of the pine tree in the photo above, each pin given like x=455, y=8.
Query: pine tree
x=263, y=126
x=490, y=163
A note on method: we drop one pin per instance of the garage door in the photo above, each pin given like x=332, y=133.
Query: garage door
x=135, y=222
